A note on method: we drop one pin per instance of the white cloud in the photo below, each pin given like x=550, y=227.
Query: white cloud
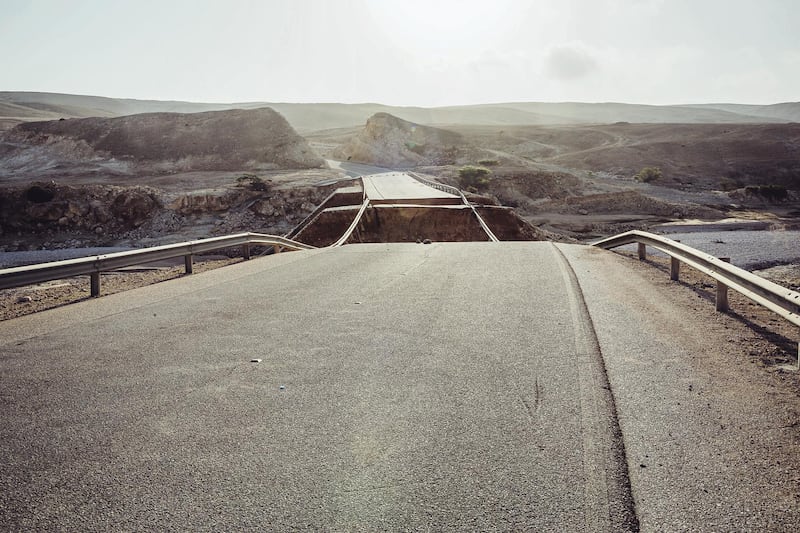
x=569, y=62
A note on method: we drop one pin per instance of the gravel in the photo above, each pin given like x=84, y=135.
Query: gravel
x=747, y=249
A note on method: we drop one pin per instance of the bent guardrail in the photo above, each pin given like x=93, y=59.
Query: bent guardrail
x=94, y=265
x=317, y=211
x=439, y=186
x=781, y=300
x=457, y=192
x=353, y=225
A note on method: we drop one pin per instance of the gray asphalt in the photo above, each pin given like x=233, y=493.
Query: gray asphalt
x=400, y=187
x=355, y=169
x=456, y=386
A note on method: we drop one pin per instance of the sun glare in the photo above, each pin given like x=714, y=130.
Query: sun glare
x=442, y=25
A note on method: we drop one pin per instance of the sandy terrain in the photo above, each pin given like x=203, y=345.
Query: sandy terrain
x=20, y=106
x=579, y=179
x=575, y=180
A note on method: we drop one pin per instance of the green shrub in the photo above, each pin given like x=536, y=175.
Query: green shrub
x=648, y=174
x=489, y=162
x=472, y=177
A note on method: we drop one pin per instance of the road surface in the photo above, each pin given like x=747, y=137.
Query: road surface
x=399, y=187
x=452, y=386
x=355, y=170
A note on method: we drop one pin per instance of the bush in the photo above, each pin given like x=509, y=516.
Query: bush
x=648, y=174
x=252, y=182
x=472, y=177
x=489, y=162
x=773, y=193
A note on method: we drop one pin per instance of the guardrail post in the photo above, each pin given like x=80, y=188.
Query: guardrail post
x=188, y=261
x=246, y=251
x=674, y=268
x=642, y=250
x=797, y=365
x=94, y=282
x=722, y=292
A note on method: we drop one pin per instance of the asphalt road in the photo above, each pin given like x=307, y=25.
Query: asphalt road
x=355, y=169
x=401, y=187
x=457, y=386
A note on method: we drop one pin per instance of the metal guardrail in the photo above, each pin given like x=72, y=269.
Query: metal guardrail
x=94, y=265
x=316, y=213
x=781, y=300
x=457, y=192
x=353, y=225
x=439, y=186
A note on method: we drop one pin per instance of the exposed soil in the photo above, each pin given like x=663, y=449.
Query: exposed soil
x=755, y=332
x=388, y=141
x=48, y=215
x=580, y=179
x=99, y=182
x=155, y=143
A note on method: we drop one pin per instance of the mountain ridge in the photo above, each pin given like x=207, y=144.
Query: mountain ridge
x=22, y=106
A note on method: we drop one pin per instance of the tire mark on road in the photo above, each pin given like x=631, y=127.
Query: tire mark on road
x=609, y=504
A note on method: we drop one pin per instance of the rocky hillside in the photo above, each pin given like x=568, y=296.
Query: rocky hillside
x=18, y=107
x=242, y=140
x=49, y=215
x=391, y=142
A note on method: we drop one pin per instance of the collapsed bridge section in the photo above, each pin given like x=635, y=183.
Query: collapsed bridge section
x=404, y=207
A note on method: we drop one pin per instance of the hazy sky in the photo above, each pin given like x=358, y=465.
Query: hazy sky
x=406, y=52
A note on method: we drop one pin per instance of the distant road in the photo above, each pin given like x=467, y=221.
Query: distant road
x=401, y=187
x=451, y=386
x=356, y=169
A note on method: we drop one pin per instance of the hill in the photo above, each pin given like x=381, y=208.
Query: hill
x=709, y=156
x=17, y=107
x=388, y=141
x=786, y=111
x=258, y=139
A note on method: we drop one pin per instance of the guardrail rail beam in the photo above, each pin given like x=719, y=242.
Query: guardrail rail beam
x=94, y=265
x=780, y=300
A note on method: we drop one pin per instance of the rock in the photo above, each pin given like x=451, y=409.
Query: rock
x=24, y=299
x=235, y=139
x=393, y=142
x=263, y=208
x=132, y=207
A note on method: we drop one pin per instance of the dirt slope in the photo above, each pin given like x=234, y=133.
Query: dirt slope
x=388, y=141
x=718, y=156
x=308, y=117
x=255, y=140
